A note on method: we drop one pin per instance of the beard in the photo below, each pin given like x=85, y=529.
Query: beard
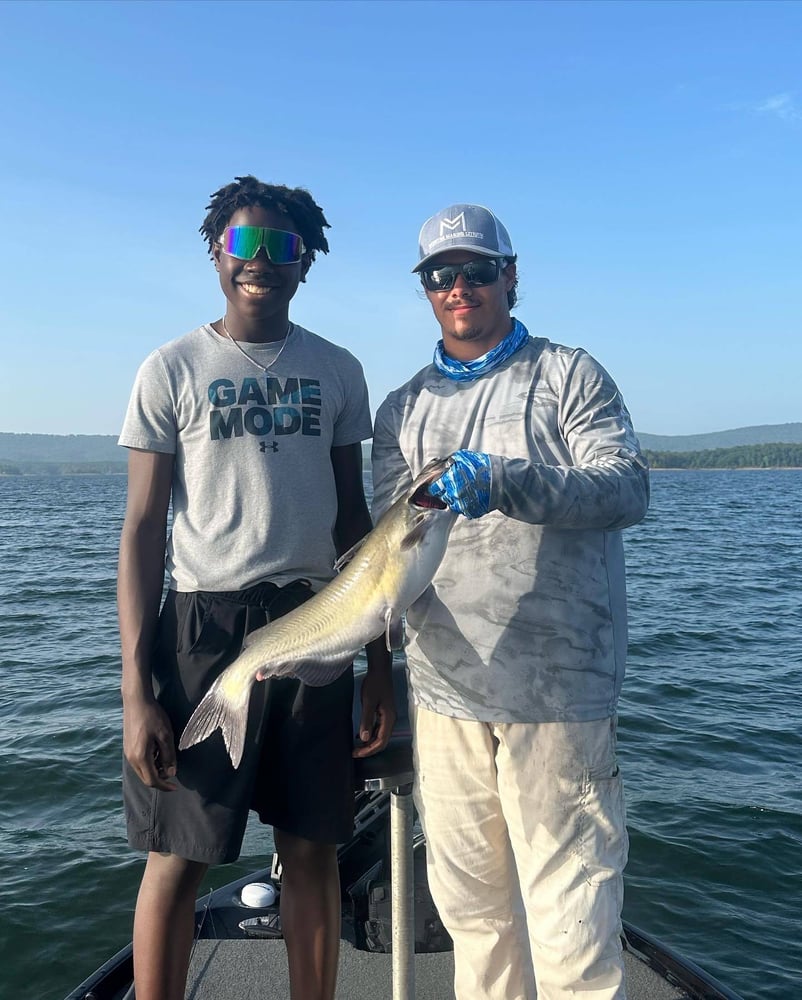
x=469, y=333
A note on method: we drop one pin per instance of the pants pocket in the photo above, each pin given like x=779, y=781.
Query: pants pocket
x=603, y=831
x=208, y=626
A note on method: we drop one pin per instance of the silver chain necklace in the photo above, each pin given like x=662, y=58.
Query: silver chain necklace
x=253, y=361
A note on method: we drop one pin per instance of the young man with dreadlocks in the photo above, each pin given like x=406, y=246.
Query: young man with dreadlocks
x=253, y=426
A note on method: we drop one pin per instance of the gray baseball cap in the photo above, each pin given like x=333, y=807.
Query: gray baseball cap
x=463, y=227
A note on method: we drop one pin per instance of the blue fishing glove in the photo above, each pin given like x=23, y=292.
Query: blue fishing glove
x=465, y=485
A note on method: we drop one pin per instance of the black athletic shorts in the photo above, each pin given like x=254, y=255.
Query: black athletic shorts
x=296, y=769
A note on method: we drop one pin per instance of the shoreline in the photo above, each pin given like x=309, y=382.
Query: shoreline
x=660, y=468
x=725, y=468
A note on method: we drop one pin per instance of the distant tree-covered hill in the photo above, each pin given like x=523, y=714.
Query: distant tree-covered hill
x=63, y=454
x=747, y=456
x=60, y=448
x=762, y=434
x=60, y=454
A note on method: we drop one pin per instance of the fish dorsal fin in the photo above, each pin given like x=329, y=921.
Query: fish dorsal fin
x=346, y=557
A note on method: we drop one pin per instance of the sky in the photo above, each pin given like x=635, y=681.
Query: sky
x=646, y=158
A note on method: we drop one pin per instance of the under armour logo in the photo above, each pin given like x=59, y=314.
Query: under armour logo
x=263, y=446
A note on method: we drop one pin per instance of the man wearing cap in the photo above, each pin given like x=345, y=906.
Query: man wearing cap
x=516, y=652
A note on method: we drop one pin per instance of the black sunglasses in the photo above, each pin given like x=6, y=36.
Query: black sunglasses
x=441, y=277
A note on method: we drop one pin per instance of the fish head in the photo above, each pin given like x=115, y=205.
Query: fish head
x=418, y=495
x=421, y=523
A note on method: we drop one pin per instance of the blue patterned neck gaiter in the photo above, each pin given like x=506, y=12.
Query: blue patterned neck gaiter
x=467, y=371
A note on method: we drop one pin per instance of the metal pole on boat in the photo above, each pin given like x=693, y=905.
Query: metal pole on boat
x=402, y=884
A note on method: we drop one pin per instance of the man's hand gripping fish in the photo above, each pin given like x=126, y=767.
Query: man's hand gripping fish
x=316, y=642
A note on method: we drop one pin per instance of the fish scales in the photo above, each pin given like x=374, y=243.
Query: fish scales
x=317, y=641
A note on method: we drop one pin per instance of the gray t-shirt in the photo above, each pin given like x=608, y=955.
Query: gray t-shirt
x=253, y=495
x=525, y=620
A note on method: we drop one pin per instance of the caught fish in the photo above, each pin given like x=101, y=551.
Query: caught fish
x=316, y=642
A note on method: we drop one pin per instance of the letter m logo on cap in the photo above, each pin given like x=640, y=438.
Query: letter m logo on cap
x=451, y=225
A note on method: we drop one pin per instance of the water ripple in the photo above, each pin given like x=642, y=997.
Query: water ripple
x=709, y=730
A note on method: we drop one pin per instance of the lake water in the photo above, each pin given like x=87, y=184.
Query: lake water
x=710, y=731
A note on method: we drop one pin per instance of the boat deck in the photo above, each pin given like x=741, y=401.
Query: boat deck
x=250, y=968
x=228, y=965
x=236, y=970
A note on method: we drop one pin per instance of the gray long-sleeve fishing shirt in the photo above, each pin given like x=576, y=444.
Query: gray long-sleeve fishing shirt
x=525, y=620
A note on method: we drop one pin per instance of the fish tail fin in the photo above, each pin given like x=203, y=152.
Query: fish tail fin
x=219, y=710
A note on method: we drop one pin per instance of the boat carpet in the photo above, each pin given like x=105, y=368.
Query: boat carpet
x=244, y=969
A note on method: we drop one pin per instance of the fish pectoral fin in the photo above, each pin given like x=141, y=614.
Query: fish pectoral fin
x=393, y=631
x=346, y=557
x=414, y=536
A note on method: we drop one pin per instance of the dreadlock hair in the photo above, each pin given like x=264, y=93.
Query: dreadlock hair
x=297, y=203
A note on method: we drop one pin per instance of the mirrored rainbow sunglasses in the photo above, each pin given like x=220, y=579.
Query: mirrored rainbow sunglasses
x=244, y=242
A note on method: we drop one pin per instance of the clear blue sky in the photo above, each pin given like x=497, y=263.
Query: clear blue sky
x=646, y=158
